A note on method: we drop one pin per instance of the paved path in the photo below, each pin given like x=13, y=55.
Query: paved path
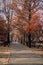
x=18, y=54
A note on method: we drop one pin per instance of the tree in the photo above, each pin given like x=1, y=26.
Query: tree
x=36, y=26
x=30, y=6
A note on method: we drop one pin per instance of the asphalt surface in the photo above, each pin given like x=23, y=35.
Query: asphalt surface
x=18, y=54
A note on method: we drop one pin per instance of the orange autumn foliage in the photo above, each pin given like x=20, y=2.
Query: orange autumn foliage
x=34, y=24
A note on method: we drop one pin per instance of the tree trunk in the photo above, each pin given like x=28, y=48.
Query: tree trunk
x=29, y=34
x=29, y=40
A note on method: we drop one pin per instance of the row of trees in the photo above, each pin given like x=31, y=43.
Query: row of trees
x=27, y=22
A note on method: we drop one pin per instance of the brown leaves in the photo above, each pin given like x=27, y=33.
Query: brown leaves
x=34, y=24
x=22, y=21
